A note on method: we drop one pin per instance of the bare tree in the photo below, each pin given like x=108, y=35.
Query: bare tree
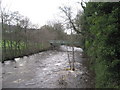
x=68, y=13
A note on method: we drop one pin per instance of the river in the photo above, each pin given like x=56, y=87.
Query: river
x=48, y=69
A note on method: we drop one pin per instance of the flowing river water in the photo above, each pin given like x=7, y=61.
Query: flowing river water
x=48, y=69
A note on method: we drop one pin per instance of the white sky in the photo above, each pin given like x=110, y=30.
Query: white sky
x=40, y=11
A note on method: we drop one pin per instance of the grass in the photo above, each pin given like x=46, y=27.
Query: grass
x=20, y=49
x=8, y=44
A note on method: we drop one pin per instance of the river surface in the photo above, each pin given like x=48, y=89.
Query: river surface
x=48, y=69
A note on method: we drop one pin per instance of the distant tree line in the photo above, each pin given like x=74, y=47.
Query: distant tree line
x=20, y=37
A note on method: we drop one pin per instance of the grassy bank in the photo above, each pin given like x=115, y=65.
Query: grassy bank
x=13, y=49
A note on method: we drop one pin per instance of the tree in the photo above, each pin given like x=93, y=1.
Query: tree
x=2, y=11
x=68, y=13
x=101, y=28
x=58, y=27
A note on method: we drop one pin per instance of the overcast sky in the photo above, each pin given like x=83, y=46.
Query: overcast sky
x=40, y=11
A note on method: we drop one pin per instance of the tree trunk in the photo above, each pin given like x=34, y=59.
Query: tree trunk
x=69, y=58
x=73, y=58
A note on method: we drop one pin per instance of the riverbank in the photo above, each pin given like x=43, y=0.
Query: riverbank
x=28, y=53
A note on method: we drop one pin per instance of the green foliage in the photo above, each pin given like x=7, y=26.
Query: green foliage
x=102, y=41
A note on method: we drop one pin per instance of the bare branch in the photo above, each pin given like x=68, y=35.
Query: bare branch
x=67, y=12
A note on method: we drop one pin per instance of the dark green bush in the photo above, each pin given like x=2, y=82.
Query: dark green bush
x=102, y=41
